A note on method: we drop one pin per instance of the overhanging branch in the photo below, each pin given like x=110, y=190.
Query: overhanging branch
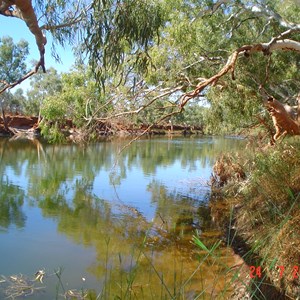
x=265, y=48
x=11, y=85
x=23, y=9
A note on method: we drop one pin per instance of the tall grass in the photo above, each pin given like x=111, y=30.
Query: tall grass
x=262, y=210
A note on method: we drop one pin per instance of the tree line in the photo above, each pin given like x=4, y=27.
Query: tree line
x=152, y=62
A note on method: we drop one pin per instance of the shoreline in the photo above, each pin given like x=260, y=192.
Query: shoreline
x=245, y=192
x=29, y=126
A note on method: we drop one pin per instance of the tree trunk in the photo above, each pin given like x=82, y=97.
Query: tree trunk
x=284, y=124
x=4, y=118
x=298, y=108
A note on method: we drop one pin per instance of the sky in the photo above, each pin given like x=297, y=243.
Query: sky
x=18, y=30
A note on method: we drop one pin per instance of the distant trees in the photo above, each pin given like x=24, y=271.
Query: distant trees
x=12, y=59
x=43, y=85
x=12, y=67
x=153, y=58
x=76, y=99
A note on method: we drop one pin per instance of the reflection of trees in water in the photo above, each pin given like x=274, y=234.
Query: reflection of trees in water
x=181, y=216
x=54, y=170
x=128, y=247
x=63, y=163
x=91, y=221
x=11, y=196
x=11, y=202
x=61, y=182
x=150, y=154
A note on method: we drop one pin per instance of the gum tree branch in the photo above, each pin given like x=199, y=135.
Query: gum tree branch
x=247, y=50
x=271, y=14
x=282, y=120
x=211, y=10
x=23, y=9
x=256, y=10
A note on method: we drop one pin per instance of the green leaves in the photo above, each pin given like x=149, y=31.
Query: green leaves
x=54, y=109
x=120, y=29
x=165, y=44
x=77, y=98
x=43, y=85
x=12, y=59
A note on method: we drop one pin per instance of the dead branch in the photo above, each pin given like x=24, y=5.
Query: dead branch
x=212, y=80
x=147, y=130
x=10, y=86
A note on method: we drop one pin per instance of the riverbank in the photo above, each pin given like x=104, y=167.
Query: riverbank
x=30, y=126
x=256, y=202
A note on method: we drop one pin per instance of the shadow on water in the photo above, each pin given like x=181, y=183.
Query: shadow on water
x=126, y=234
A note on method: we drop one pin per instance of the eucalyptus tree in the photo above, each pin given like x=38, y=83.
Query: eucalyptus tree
x=42, y=85
x=18, y=100
x=203, y=42
x=12, y=59
x=166, y=54
x=77, y=98
x=12, y=66
x=108, y=29
x=106, y=32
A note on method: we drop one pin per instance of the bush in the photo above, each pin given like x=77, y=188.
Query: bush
x=54, y=109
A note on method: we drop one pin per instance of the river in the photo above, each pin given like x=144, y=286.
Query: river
x=86, y=219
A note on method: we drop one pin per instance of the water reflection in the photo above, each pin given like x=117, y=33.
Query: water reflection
x=136, y=223
x=11, y=205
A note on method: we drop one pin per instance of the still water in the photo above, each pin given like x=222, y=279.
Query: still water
x=115, y=226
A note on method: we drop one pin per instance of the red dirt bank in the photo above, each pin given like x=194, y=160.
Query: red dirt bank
x=17, y=122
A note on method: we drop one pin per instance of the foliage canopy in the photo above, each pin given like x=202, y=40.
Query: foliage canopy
x=152, y=58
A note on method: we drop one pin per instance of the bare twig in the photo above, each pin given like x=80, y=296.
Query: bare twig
x=136, y=111
x=19, y=286
x=211, y=10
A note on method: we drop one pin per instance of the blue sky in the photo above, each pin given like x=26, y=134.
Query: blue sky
x=17, y=29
